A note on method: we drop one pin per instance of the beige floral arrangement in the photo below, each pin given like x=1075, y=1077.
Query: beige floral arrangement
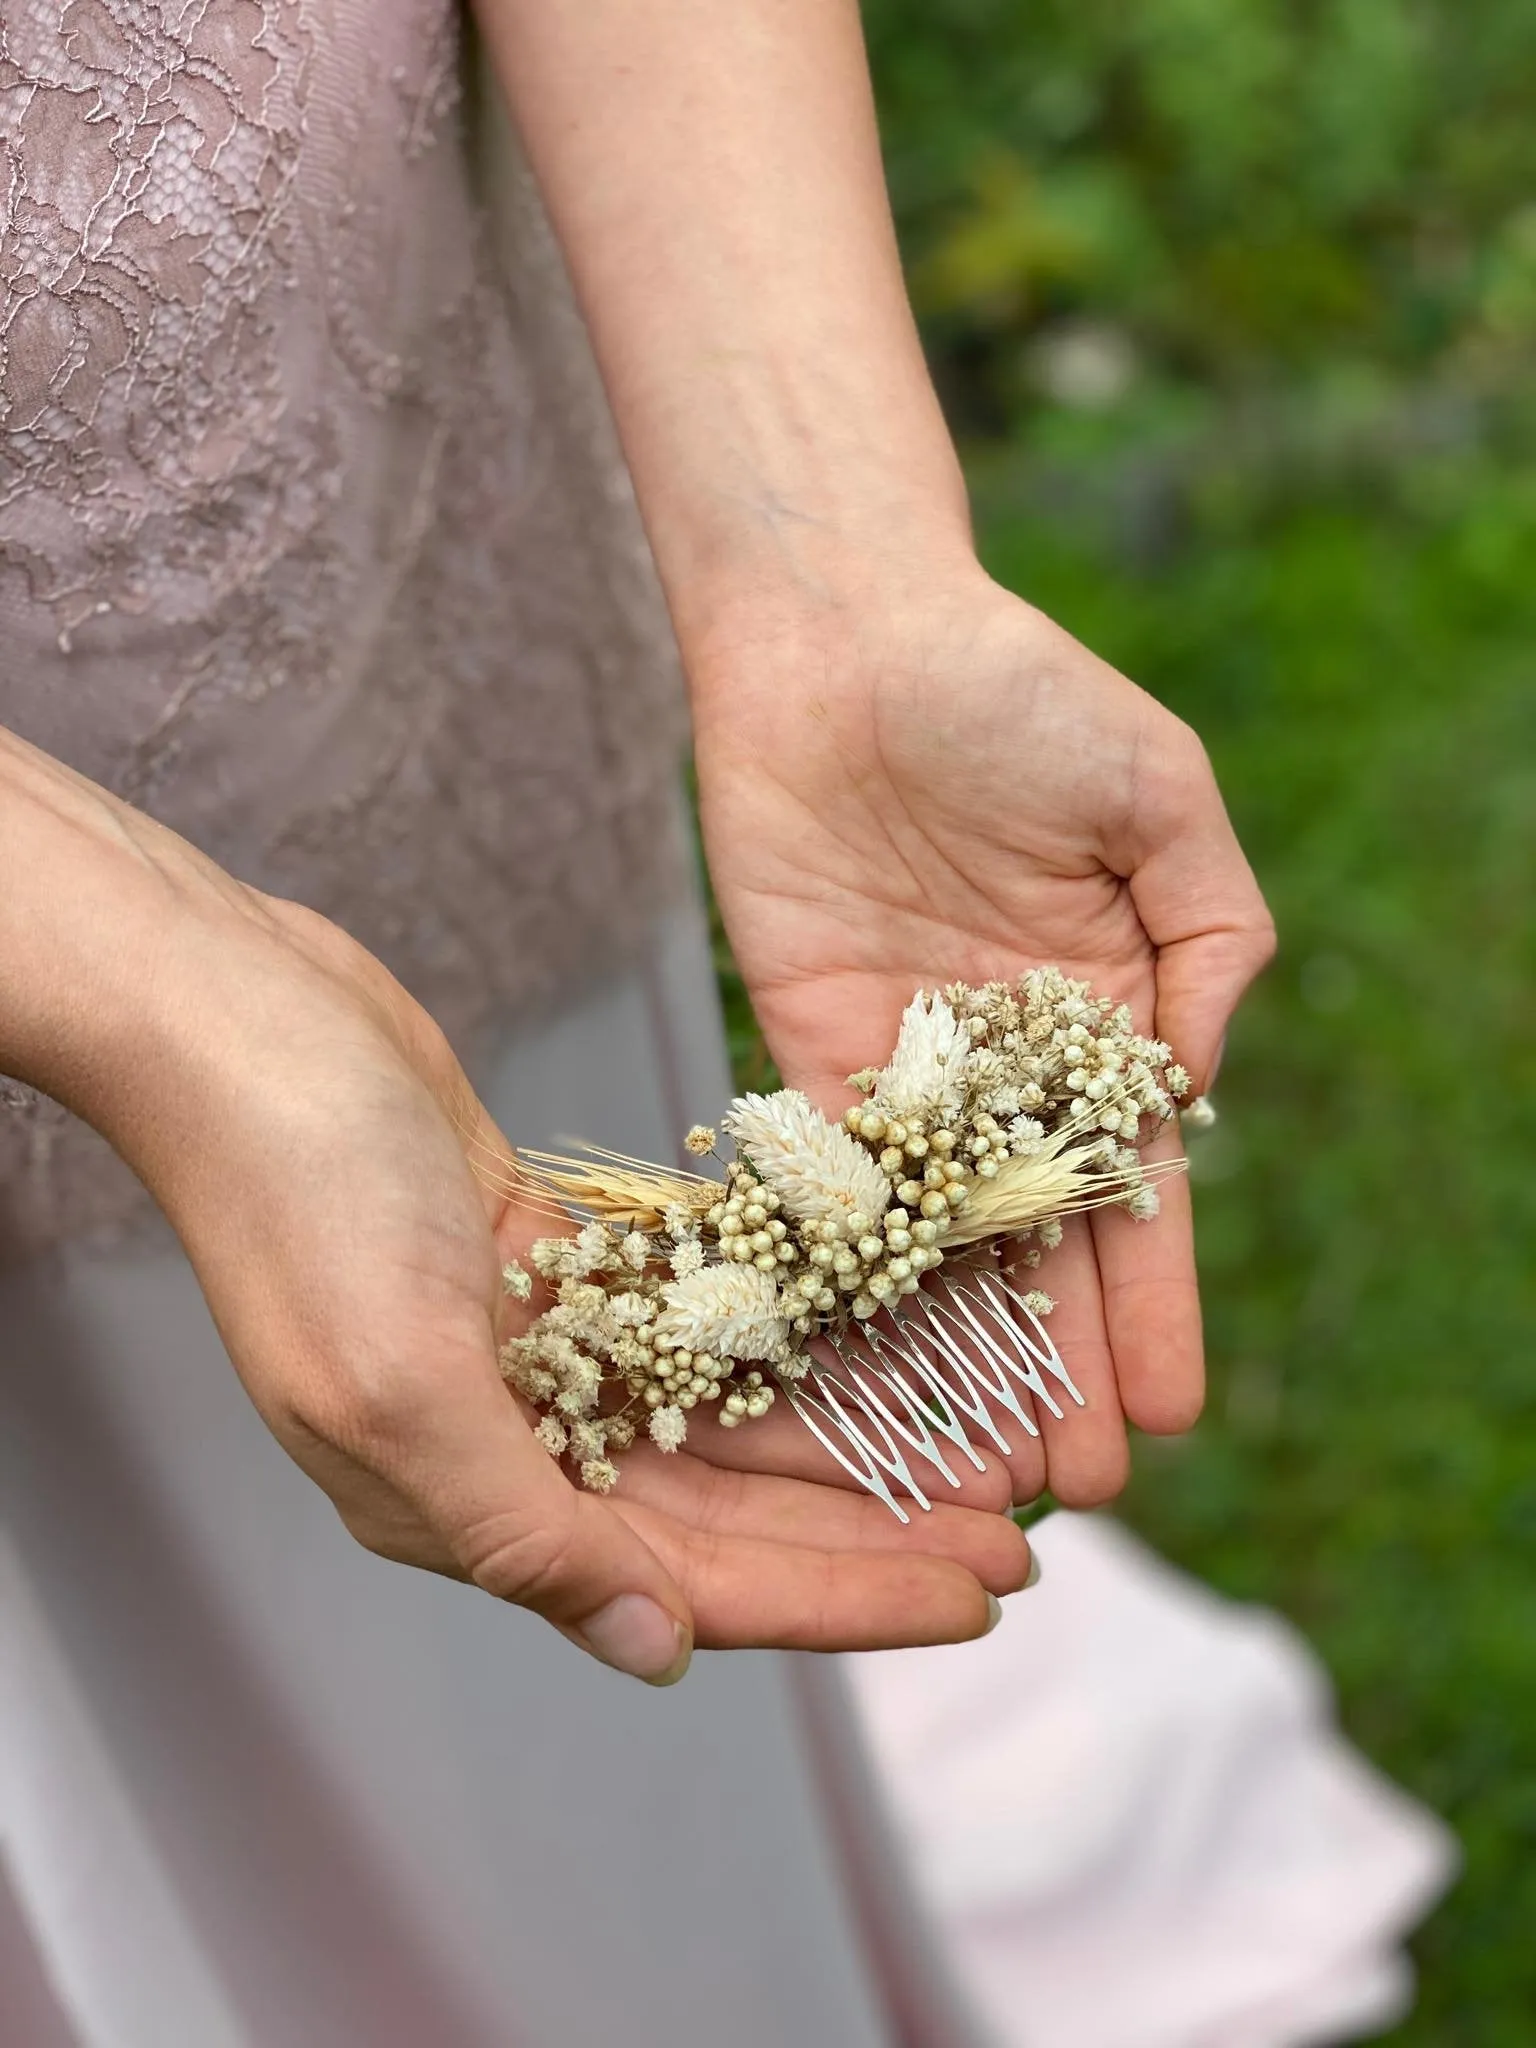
x=1001, y=1111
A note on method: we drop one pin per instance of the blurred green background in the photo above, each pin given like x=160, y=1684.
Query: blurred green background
x=1233, y=307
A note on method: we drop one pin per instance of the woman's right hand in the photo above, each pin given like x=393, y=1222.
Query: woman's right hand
x=307, y=1130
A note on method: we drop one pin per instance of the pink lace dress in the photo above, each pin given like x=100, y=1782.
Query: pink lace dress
x=314, y=539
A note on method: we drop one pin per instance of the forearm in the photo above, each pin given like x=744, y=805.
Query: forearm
x=97, y=907
x=714, y=175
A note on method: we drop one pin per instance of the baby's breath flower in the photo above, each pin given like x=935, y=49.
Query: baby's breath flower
x=668, y=1428
x=701, y=1140
x=1144, y=1202
x=687, y=1258
x=636, y=1251
x=1037, y=1303
x=588, y=1440
x=551, y=1434
x=599, y=1476
x=630, y=1309
x=515, y=1281
x=594, y=1248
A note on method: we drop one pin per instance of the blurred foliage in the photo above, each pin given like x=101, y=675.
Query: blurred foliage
x=1233, y=306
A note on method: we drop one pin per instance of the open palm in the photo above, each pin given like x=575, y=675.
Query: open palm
x=959, y=791
x=316, y=1154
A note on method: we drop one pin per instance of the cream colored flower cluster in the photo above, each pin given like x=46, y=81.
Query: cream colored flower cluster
x=1001, y=1110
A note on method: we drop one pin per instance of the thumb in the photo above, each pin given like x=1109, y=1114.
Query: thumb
x=515, y=1526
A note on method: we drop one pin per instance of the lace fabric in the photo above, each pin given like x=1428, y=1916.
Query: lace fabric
x=314, y=537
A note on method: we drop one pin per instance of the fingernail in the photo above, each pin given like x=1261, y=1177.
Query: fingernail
x=1034, y=1571
x=994, y=1613
x=636, y=1636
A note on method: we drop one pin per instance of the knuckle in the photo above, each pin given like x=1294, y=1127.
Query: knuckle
x=374, y=1408
x=529, y=1561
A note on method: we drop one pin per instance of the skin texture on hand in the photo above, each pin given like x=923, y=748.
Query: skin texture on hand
x=913, y=793
x=308, y=1132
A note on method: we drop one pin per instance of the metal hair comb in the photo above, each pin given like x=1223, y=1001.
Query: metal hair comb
x=898, y=1389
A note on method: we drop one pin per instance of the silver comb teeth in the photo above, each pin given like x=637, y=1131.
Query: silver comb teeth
x=931, y=1375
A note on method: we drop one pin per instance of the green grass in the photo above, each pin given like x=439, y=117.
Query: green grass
x=1366, y=681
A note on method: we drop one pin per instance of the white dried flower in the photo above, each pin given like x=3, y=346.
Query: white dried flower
x=732, y=1311
x=629, y=1310
x=594, y=1248
x=701, y=1140
x=819, y=1173
x=555, y=1258
x=636, y=1251
x=551, y=1434
x=599, y=1476
x=925, y=1076
x=687, y=1258
x=669, y=1428
x=679, y=1222
x=516, y=1282
x=621, y=1432
x=1037, y=1303
x=581, y=1383
x=1144, y=1202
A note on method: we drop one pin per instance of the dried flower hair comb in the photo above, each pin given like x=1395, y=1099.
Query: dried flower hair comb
x=855, y=1267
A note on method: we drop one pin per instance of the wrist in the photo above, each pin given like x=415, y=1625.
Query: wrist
x=99, y=911
x=835, y=642
x=794, y=498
